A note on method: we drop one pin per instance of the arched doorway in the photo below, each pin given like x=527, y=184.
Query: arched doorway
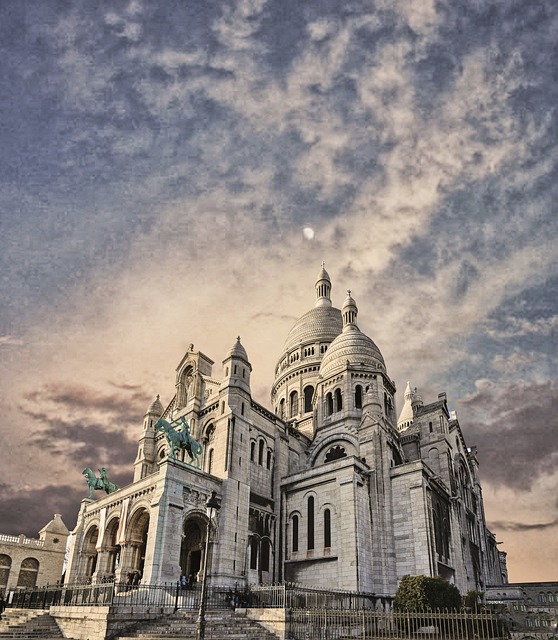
x=89, y=552
x=136, y=540
x=112, y=547
x=192, y=545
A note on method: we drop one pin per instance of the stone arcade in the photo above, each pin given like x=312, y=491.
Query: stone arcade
x=328, y=489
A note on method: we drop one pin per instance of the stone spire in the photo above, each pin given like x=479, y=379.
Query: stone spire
x=323, y=288
x=406, y=416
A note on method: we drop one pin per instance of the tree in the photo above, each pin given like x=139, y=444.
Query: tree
x=420, y=593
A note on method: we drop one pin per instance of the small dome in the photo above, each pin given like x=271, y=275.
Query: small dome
x=237, y=351
x=352, y=345
x=156, y=407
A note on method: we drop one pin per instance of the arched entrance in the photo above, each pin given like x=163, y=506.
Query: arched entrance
x=136, y=542
x=192, y=546
x=108, y=553
x=89, y=552
x=112, y=547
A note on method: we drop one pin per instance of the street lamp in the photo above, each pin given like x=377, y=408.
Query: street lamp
x=211, y=504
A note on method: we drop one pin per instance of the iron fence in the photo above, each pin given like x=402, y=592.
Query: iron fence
x=296, y=596
x=310, y=613
x=169, y=595
x=367, y=624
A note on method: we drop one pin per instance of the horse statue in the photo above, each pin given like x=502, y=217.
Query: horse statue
x=180, y=438
x=98, y=483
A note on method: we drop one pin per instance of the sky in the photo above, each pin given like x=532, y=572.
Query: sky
x=174, y=172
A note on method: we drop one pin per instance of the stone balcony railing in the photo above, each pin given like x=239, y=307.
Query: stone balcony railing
x=21, y=540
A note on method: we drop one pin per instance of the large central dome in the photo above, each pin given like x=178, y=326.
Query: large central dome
x=321, y=324
x=298, y=365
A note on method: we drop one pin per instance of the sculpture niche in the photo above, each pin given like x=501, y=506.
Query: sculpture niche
x=180, y=439
x=98, y=483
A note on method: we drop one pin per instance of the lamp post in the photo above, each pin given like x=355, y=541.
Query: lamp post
x=211, y=504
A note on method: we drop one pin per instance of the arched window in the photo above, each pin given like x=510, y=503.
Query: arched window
x=282, y=408
x=308, y=395
x=295, y=534
x=261, y=452
x=338, y=400
x=210, y=461
x=268, y=461
x=335, y=453
x=310, y=523
x=28, y=573
x=264, y=560
x=253, y=553
x=293, y=411
x=5, y=566
x=358, y=397
x=329, y=404
x=252, y=451
x=327, y=528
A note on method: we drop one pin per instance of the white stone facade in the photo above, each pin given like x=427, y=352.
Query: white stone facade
x=327, y=489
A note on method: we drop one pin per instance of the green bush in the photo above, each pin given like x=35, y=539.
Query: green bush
x=472, y=599
x=421, y=593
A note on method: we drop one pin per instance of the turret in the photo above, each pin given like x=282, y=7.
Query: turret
x=145, y=460
x=237, y=368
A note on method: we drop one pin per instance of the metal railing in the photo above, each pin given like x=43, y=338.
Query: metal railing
x=366, y=624
x=288, y=595
x=165, y=596
x=296, y=596
x=310, y=613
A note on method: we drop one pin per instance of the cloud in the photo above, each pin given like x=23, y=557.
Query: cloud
x=10, y=341
x=72, y=397
x=28, y=511
x=512, y=423
x=523, y=526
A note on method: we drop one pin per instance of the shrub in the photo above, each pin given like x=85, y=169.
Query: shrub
x=472, y=599
x=420, y=593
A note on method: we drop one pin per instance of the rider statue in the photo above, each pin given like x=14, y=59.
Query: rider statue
x=178, y=437
x=104, y=479
x=102, y=483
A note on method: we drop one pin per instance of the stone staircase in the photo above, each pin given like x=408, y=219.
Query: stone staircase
x=28, y=623
x=220, y=625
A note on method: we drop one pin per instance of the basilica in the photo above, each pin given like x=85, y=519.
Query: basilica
x=332, y=487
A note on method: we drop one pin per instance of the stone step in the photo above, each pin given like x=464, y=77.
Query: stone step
x=29, y=624
x=219, y=626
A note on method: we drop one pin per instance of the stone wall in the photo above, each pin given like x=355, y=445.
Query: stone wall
x=100, y=623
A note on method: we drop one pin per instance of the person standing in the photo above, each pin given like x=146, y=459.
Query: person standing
x=2, y=605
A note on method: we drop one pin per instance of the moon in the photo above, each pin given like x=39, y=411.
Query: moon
x=308, y=233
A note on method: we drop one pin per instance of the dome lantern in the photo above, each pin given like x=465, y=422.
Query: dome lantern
x=323, y=288
x=349, y=313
